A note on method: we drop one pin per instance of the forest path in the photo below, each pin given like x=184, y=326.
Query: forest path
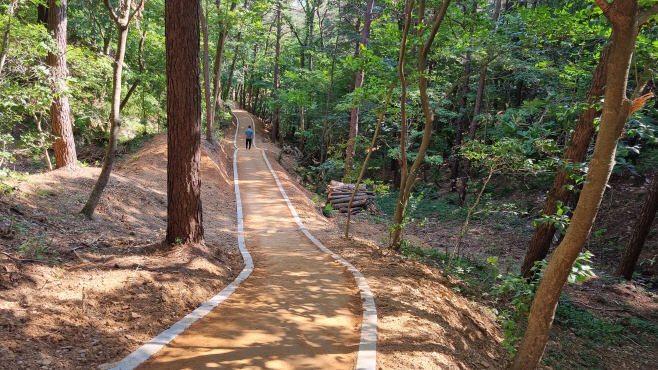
x=299, y=308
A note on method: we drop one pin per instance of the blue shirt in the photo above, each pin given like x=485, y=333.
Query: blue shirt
x=249, y=132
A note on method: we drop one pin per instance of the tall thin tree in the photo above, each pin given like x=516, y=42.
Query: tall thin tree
x=358, y=84
x=224, y=26
x=122, y=21
x=409, y=173
x=277, y=75
x=206, y=70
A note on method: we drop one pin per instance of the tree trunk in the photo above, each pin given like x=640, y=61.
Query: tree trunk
x=277, y=77
x=123, y=23
x=616, y=109
x=230, y=74
x=326, y=112
x=250, y=94
x=409, y=176
x=65, y=155
x=640, y=232
x=5, y=38
x=129, y=94
x=184, y=213
x=42, y=141
x=223, y=31
x=301, y=128
x=472, y=131
x=42, y=14
x=358, y=83
x=575, y=153
x=351, y=201
x=206, y=71
x=454, y=172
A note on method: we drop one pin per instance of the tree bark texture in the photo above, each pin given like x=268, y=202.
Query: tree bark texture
x=184, y=213
x=640, y=232
x=616, y=109
x=574, y=153
x=60, y=115
x=358, y=83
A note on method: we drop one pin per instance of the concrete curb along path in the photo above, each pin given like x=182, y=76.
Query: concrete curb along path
x=366, y=356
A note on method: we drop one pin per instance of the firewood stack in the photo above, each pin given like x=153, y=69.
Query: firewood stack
x=339, y=194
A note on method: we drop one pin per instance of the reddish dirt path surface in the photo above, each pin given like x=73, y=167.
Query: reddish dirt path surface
x=299, y=309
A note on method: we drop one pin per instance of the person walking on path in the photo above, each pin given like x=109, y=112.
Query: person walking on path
x=249, y=133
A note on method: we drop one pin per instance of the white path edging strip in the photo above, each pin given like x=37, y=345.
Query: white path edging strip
x=367, y=356
x=144, y=352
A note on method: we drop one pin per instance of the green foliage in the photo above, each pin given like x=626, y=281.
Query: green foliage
x=424, y=204
x=560, y=220
x=645, y=326
x=329, y=211
x=521, y=292
x=585, y=324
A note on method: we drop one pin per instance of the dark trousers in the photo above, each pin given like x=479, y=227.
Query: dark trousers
x=248, y=144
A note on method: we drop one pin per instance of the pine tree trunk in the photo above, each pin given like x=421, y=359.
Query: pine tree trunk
x=616, y=109
x=575, y=153
x=60, y=115
x=640, y=232
x=184, y=213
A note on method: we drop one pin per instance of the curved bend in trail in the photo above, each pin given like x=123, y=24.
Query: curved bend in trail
x=299, y=309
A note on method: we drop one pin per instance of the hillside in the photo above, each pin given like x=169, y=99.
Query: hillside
x=88, y=293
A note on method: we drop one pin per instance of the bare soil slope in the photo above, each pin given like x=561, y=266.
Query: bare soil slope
x=104, y=295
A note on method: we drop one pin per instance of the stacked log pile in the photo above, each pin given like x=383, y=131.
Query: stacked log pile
x=339, y=194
